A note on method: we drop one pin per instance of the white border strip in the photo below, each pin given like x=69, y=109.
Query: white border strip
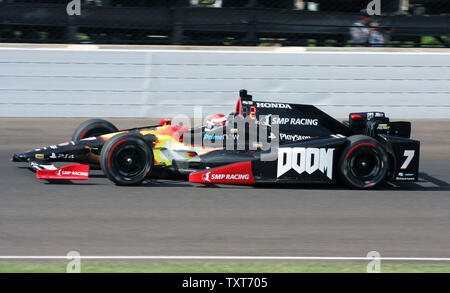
x=200, y=51
x=180, y=257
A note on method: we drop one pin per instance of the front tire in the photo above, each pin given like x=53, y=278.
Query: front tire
x=363, y=163
x=126, y=159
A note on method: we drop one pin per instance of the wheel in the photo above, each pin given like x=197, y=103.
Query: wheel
x=363, y=163
x=93, y=127
x=126, y=159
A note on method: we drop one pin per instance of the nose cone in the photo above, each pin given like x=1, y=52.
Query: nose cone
x=22, y=157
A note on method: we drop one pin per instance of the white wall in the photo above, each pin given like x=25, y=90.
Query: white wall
x=159, y=83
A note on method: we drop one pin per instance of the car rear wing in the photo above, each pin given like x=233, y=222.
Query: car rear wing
x=375, y=123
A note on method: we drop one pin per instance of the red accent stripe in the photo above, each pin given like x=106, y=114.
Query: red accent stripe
x=112, y=149
x=361, y=144
x=83, y=134
x=239, y=107
x=237, y=173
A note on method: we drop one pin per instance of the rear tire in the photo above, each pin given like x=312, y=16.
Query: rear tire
x=363, y=163
x=126, y=159
x=93, y=127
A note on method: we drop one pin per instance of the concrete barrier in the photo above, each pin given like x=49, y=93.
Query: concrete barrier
x=58, y=82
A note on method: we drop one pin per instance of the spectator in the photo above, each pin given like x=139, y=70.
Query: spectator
x=379, y=36
x=360, y=30
x=376, y=37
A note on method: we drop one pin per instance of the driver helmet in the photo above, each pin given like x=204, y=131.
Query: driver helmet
x=215, y=120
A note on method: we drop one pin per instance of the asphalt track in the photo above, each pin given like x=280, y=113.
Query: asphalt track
x=179, y=218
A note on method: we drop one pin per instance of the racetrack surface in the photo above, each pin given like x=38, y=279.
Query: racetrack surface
x=179, y=218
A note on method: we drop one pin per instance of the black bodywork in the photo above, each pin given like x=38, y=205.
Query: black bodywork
x=305, y=126
x=304, y=131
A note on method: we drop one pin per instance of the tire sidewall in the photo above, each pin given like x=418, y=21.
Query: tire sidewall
x=108, y=158
x=363, y=144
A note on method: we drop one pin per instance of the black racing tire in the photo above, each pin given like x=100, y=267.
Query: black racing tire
x=93, y=127
x=364, y=163
x=126, y=159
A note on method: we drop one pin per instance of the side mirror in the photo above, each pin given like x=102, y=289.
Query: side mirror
x=166, y=121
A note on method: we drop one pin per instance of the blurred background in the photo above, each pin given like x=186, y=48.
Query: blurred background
x=402, y=23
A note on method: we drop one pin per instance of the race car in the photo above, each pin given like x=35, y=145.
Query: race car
x=294, y=143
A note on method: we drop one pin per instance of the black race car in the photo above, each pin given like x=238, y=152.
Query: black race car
x=261, y=142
